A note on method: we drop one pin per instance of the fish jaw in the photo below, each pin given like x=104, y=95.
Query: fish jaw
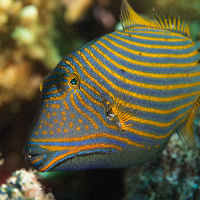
x=91, y=156
x=54, y=144
x=105, y=147
x=59, y=141
x=75, y=159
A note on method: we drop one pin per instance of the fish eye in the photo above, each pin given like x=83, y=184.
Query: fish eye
x=69, y=82
x=74, y=81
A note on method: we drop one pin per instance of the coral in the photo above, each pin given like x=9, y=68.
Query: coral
x=173, y=175
x=23, y=185
x=25, y=41
x=24, y=27
x=75, y=9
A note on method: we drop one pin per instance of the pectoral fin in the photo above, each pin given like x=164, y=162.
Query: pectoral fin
x=118, y=111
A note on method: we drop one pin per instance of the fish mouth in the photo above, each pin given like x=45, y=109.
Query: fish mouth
x=34, y=155
x=45, y=157
x=73, y=158
x=38, y=158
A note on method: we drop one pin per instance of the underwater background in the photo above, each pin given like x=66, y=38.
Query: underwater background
x=34, y=36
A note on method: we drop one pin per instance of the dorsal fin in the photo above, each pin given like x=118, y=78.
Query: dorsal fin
x=129, y=18
x=172, y=23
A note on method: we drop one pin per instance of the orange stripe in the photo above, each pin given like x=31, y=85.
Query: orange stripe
x=55, y=105
x=145, y=63
x=186, y=55
x=133, y=94
x=90, y=97
x=82, y=113
x=62, y=148
x=66, y=106
x=35, y=161
x=87, y=138
x=152, y=45
x=95, y=113
x=139, y=84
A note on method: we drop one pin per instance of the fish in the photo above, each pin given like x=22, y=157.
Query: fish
x=116, y=101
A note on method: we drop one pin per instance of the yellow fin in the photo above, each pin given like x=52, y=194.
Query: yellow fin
x=129, y=18
x=117, y=109
x=122, y=113
x=186, y=134
x=172, y=23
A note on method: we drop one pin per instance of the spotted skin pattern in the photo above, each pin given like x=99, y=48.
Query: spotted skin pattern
x=116, y=101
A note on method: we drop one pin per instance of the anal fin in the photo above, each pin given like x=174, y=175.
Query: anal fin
x=186, y=133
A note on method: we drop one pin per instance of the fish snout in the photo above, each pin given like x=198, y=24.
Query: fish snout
x=34, y=155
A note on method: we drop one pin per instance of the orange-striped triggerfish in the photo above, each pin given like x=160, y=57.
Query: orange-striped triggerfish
x=117, y=101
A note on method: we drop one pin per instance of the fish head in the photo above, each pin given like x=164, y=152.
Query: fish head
x=71, y=128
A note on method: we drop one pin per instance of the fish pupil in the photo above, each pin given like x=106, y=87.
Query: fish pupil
x=73, y=81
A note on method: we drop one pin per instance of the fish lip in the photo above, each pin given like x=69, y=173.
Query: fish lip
x=33, y=155
x=77, y=155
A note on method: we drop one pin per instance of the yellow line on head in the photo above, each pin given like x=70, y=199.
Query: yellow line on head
x=95, y=113
x=89, y=76
x=89, y=96
x=82, y=113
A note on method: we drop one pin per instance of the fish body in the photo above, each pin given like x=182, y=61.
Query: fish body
x=117, y=101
